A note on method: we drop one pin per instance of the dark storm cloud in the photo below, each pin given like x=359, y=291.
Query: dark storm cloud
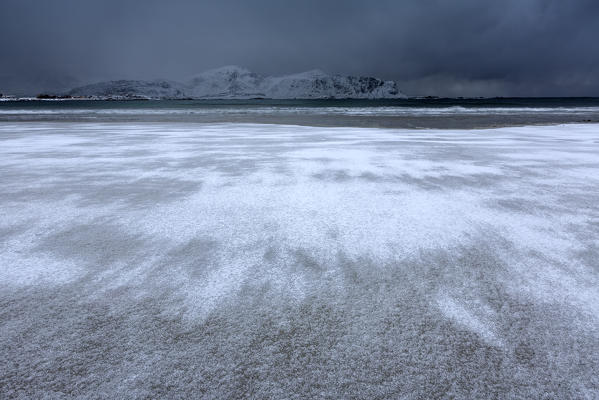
x=460, y=47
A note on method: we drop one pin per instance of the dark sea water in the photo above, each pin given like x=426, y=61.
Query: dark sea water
x=409, y=113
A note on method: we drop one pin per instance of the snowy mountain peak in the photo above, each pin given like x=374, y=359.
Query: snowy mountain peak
x=234, y=82
x=226, y=82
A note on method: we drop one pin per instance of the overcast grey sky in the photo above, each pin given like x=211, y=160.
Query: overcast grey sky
x=442, y=47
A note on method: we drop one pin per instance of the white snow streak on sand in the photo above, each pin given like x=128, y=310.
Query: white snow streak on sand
x=269, y=261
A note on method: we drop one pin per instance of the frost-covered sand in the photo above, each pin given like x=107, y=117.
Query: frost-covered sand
x=268, y=261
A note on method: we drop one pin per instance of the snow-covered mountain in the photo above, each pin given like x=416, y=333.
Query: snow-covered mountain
x=227, y=82
x=158, y=89
x=233, y=82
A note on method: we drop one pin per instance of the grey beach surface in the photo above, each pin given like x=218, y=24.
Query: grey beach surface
x=235, y=260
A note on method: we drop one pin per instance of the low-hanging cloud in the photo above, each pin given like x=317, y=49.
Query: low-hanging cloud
x=433, y=47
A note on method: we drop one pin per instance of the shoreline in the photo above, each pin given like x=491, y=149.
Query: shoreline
x=402, y=113
x=415, y=123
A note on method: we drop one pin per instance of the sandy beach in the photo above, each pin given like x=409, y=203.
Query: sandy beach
x=151, y=260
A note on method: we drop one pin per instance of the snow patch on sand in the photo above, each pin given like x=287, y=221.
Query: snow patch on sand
x=341, y=250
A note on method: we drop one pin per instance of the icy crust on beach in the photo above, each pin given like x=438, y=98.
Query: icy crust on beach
x=268, y=261
x=234, y=82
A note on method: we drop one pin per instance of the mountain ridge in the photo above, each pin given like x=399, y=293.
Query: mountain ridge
x=234, y=82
